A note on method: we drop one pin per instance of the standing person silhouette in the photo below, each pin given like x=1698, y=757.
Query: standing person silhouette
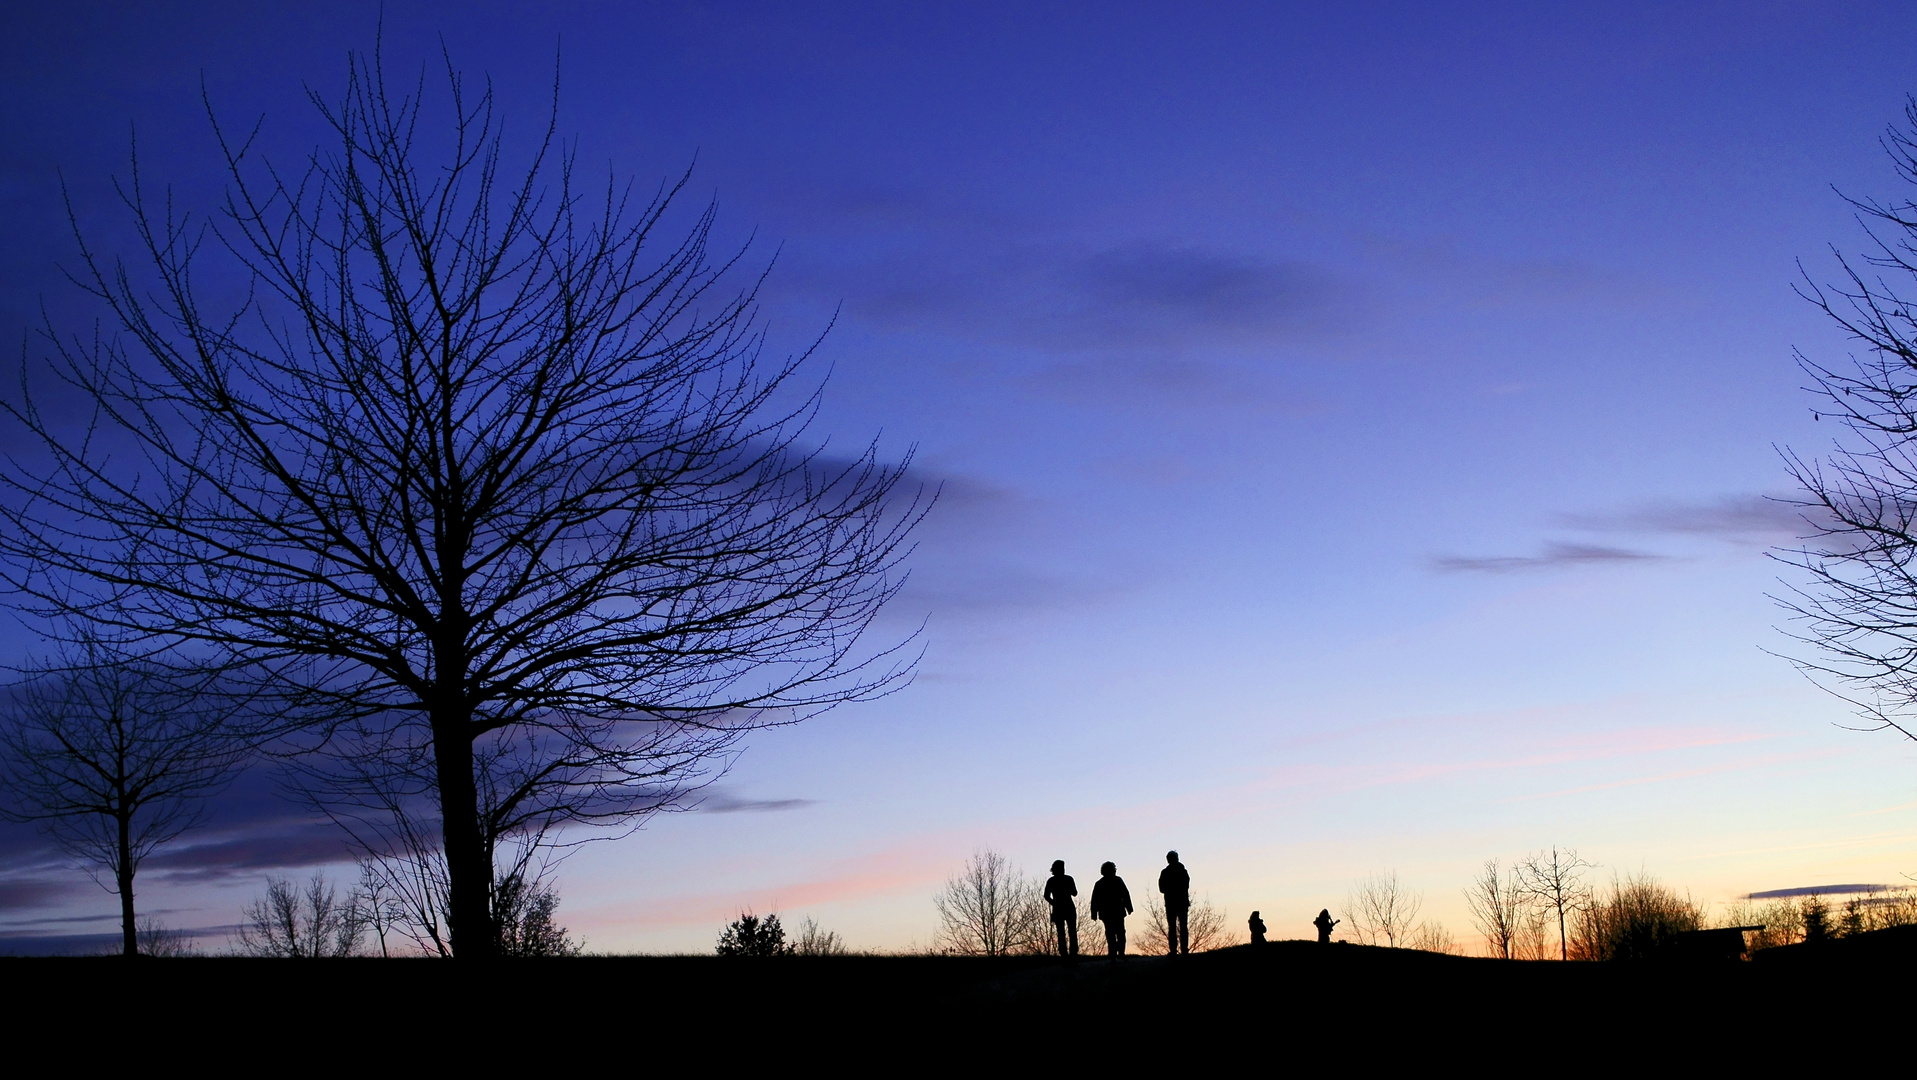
x=1257, y=929
x=1175, y=884
x=1324, y=922
x=1061, y=892
x=1111, y=902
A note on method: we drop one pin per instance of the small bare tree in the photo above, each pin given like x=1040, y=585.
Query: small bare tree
x=158, y=939
x=815, y=940
x=112, y=757
x=1380, y=909
x=309, y=921
x=1555, y=879
x=409, y=876
x=1431, y=936
x=1533, y=941
x=1498, y=902
x=378, y=906
x=1207, y=926
x=990, y=909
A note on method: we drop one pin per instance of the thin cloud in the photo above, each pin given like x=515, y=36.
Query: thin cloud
x=26, y=894
x=721, y=803
x=290, y=846
x=1554, y=556
x=1817, y=890
x=1760, y=519
x=1193, y=287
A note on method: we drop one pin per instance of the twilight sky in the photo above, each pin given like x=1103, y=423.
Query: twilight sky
x=1355, y=423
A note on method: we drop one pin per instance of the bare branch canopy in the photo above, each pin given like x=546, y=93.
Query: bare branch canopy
x=490, y=481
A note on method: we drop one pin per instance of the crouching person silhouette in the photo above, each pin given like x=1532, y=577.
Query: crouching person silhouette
x=1257, y=929
x=1061, y=892
x=1324, y=922
x=1111, y=902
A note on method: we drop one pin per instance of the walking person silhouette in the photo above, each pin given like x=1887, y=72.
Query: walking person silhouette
x=1111, y=902
x=1324, y=922
x=1175, y=884
x=1061, y=892
x=1257, y=929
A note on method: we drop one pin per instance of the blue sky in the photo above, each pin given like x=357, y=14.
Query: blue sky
x=1356, y=423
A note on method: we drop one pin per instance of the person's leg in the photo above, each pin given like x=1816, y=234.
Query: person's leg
x=1115, y=937
x=1184, y=931
x=1058, y=928
x=1070, y=925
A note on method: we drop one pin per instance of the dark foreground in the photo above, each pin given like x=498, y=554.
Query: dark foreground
x=1289, y=990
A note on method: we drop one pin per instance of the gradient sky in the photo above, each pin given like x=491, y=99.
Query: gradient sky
x=1356, y=423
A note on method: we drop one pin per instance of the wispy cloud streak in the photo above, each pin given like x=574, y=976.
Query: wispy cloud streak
x=1554, y=556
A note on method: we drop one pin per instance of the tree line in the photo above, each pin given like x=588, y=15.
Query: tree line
x=1547, y=905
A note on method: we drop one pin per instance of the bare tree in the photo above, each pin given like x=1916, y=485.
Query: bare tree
x=990, y=909
x=512, y=513
x=113, y=757
x=1431, y=936
x=1379, y=909
x=815, y=940
x=1555, y=879
x=1533, y=941
x=158, y=939
x=1859, y=613
x=294, y=921
x=1207, y=927
x=1497, y=901
x=408, y=874
x=378, y=905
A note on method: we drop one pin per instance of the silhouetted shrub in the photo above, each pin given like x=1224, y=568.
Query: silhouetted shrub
x=1206, y=928
x=749, y=935
x=1637, y=919
x=1817, y=928
x=523, y=915
x=815, y=940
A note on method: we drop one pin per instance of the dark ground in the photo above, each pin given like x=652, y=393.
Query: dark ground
x=1342, y=999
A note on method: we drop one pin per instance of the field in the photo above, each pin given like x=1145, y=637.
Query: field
x=1359, y=999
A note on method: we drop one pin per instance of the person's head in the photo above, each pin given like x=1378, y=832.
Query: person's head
x=1254, y=915
x=1058, y=866
x=1108, y=869
x=1324, y=913
x=1171, y=856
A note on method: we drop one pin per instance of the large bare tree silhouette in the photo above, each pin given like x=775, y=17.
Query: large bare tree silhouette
x=504, y=502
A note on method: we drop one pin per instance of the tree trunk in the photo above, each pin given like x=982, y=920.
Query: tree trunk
x=123, y=880
x=469, y=872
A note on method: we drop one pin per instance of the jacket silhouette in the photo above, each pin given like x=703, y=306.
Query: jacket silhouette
x=1111, y=902
x=1175, y=883
x=1061, y=893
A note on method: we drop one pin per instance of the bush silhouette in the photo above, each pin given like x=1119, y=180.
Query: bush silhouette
x=749, y=935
